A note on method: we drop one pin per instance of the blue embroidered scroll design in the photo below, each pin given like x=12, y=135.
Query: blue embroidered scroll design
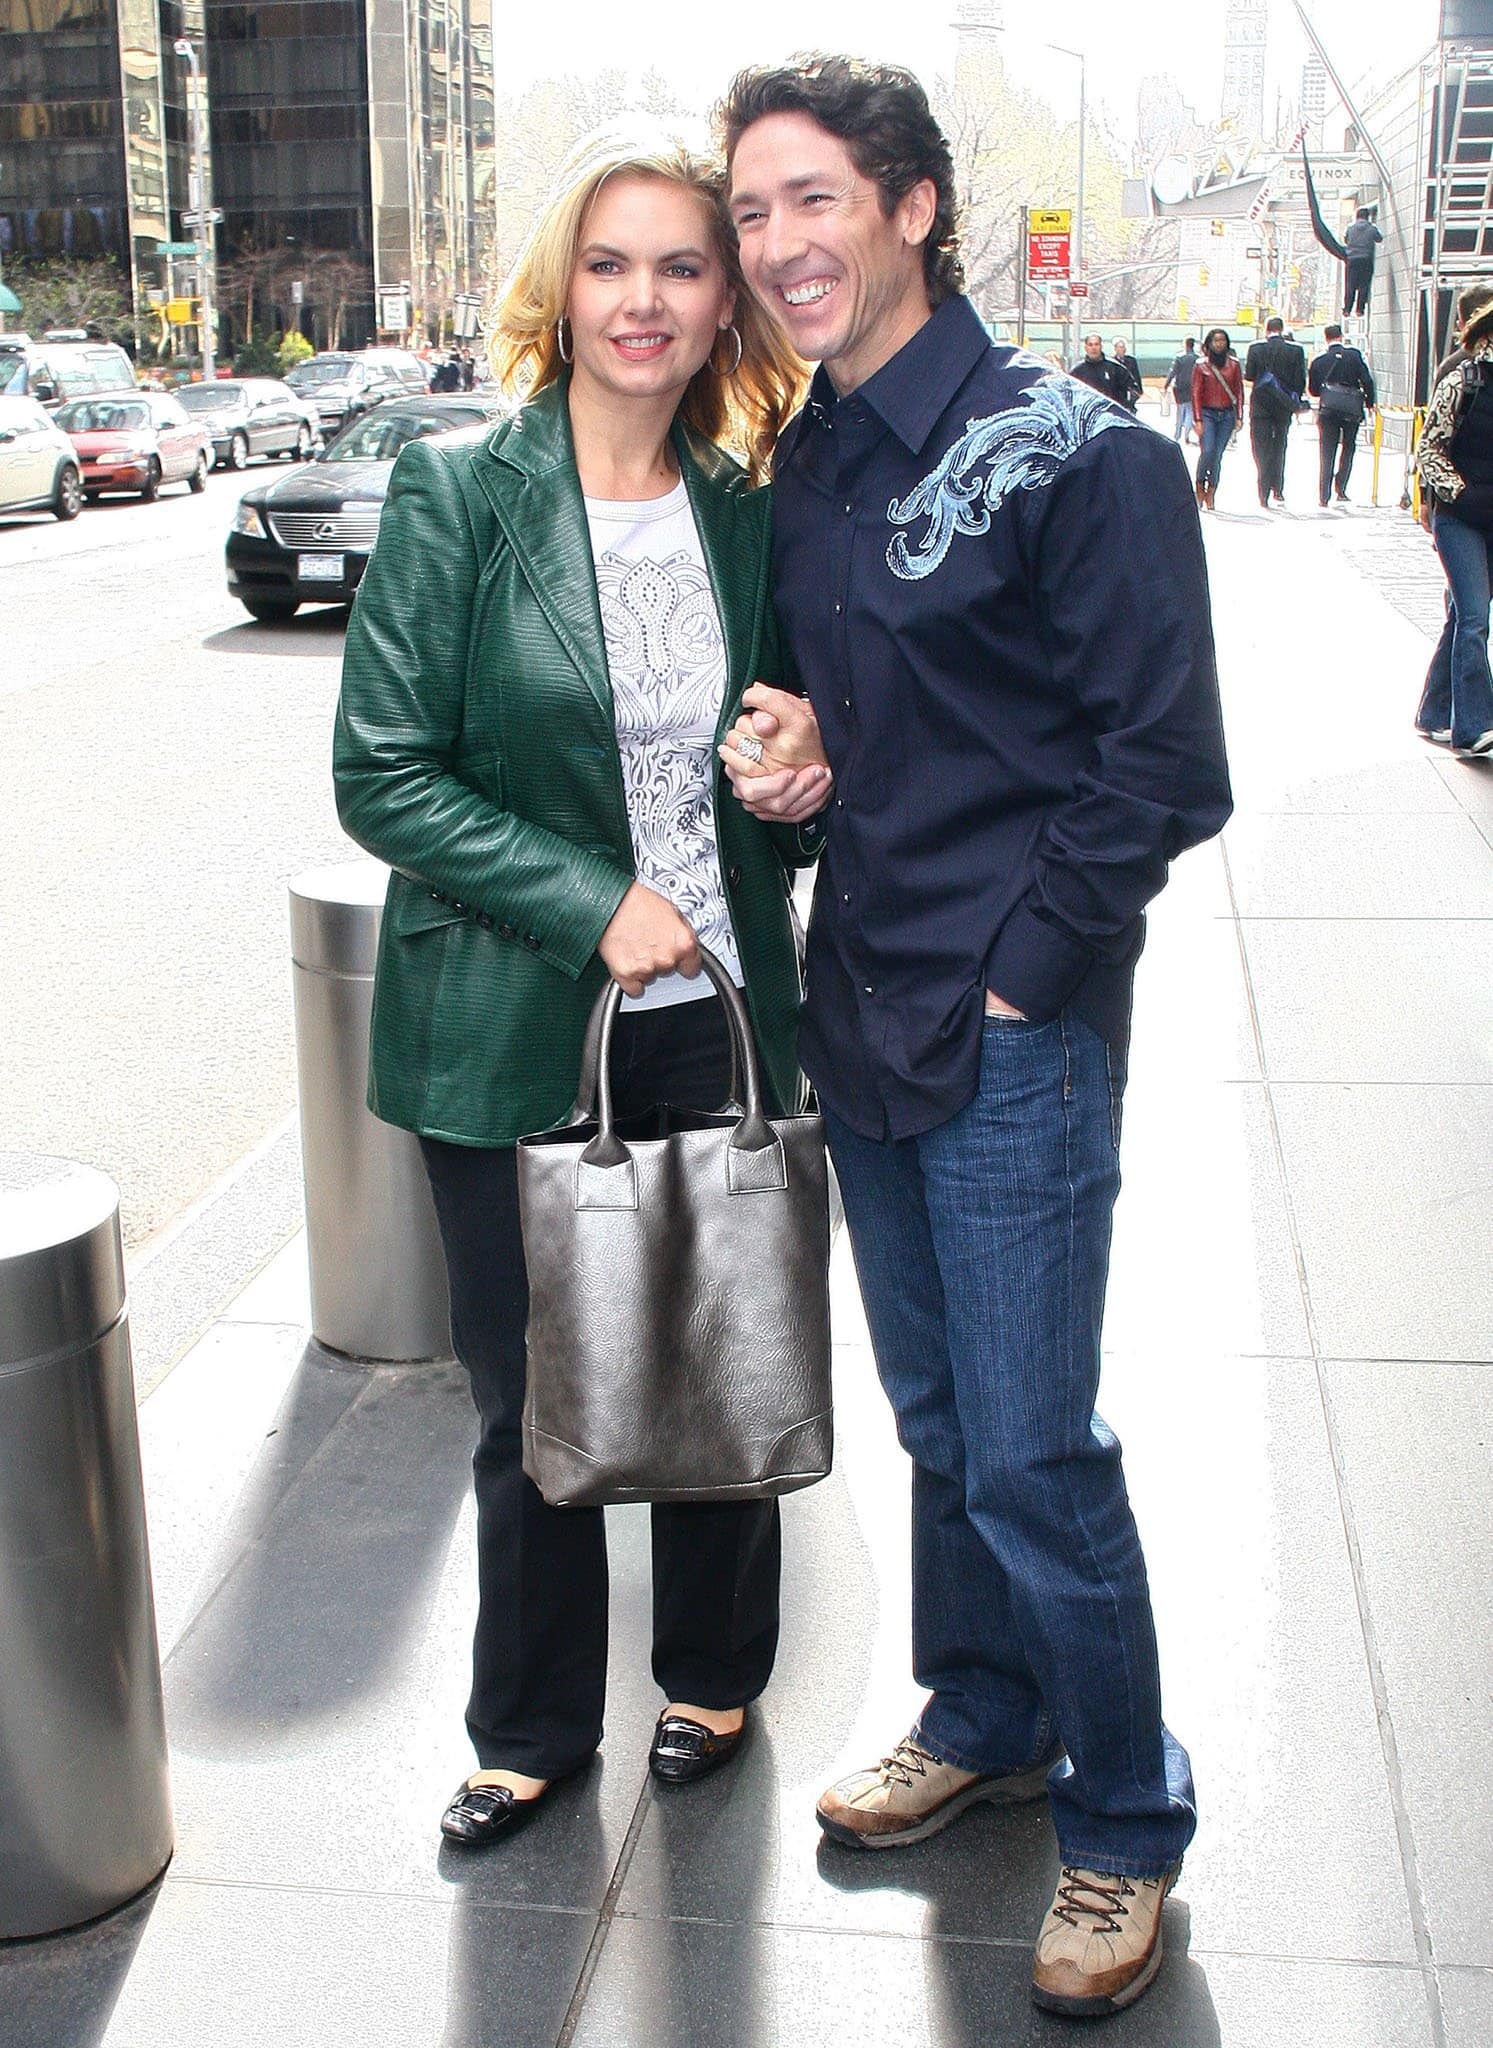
x=1020, y=449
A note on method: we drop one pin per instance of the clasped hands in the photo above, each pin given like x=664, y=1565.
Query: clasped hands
x=783, y=776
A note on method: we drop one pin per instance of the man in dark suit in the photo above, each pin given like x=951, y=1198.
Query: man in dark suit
x=1275, y=371
x=1343, y=386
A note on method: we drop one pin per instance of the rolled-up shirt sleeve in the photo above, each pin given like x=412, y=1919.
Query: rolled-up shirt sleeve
x=1120, y=592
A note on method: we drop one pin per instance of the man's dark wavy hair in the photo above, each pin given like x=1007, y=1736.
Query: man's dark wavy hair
x=882, y=116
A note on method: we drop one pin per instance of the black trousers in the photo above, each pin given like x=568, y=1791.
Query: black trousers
x=540, y=1652
x=1267, y=438
x=1358, y=276
x=1338, y=439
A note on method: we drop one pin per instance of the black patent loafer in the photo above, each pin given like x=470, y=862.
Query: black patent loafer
x=480, y=1814
x=684, y=1750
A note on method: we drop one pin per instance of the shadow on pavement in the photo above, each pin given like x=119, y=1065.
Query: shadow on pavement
x=330, y=1560
x=306, y=633
x=60, y=1991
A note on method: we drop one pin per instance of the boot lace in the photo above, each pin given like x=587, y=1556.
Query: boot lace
x=1096, y=1900
x=906, y=1762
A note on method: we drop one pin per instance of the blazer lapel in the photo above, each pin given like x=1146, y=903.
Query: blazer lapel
x=736, y=562
x=532, y=485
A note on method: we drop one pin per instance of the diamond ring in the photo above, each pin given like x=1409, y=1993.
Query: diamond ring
x=750, y=749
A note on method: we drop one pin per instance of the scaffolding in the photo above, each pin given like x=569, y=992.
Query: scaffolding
x=1457, y=214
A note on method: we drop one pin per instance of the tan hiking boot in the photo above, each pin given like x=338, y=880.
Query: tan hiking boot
x=911, y=1794
x=1100, y=1945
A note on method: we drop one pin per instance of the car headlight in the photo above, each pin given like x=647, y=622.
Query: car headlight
x=247, y=520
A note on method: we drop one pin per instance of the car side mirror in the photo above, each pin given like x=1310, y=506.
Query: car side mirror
x=44, y=391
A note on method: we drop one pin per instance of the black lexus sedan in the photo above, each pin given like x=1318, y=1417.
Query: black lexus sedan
x=306, y=538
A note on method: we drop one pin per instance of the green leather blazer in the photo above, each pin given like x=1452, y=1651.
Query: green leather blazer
x=476, y=753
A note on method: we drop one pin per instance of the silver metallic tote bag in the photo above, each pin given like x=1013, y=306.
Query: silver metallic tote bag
x=678, y=1344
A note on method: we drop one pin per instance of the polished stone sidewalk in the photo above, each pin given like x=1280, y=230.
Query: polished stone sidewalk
x=1298, y=1347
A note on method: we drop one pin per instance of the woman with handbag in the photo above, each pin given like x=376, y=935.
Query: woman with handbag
x=1218, y=407
x=554, y=634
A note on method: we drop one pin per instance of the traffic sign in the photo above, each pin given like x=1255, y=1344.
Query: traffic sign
x=179, y=312
x=176, y=248
x=1077, y=289
x=194, y=220
x=1048, y=243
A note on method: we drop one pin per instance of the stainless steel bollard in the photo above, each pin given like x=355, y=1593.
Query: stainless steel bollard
x=85, y=1801
x=378, y=1278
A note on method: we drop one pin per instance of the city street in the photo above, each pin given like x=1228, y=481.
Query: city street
x=1298, y=1338
x=165, y=769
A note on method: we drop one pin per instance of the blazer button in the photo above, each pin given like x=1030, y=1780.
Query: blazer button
x=506, y=931
x=460, y=908
x=484, y=920
x=533, y=942
x=733, y=876
x=436, y=896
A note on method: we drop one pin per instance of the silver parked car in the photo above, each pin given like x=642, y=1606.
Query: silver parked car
x=38, y=465
x=252, y=416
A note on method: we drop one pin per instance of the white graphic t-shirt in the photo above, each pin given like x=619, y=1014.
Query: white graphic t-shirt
x=667, y=660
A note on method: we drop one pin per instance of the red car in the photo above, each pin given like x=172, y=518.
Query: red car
x=136, y=441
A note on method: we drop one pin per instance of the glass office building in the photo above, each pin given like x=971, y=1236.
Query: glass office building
x=351, y=148
x=94, y=137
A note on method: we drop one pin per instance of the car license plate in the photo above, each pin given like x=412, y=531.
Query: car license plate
x=321, y=568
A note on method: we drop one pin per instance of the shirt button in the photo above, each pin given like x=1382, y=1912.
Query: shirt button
x=838, y=609
x=870, y=991
x=849, y=511
x=839, y=803
x=847, y=703
x=846, y=897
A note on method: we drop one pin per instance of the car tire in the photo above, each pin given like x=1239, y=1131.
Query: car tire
x=270, y=611
x=67, y=499
x=238, y=452
x=303, y=444
x=150, y=490
x=197, y=481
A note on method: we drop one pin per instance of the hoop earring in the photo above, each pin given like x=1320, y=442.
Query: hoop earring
x=567, y=355
x=735, y=335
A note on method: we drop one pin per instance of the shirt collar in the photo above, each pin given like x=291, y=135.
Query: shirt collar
x=911, y=392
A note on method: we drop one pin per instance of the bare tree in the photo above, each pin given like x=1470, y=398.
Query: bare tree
x=71, y=291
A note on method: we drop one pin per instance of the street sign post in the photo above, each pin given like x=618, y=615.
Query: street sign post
x=176, y=248
x=1049, y=243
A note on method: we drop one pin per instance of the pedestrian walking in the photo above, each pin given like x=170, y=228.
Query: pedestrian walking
x=1178, y=382
x=1361, y=240
x=1275, y=370
x=468, y=370
x=1131, y=368
x=1020, y=707
x=1218, y=407
x=1455, y=464
x=1343, y=386
x=559, y=620
x=1101, y=373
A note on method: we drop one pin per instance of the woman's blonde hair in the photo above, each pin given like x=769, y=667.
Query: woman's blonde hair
x=744, y=410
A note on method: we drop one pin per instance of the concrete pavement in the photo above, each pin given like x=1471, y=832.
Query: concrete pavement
x=1297, y=1350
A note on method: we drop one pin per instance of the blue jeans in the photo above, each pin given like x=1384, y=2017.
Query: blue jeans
x=1219, y=422
x=1182, y=426
x=982, y=1249
x=1459, y=684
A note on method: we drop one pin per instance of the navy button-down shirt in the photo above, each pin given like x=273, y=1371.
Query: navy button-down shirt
x=992, y=585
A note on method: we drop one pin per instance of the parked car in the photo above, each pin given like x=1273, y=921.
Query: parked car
x=39, y=469
x=56, y=371
x=136, y=442
x=306, y=537
x=342, y=386
x=408, y=369
x=252, y=416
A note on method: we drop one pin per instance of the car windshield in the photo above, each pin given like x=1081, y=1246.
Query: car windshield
x=306, y=376
x=379, y=436
x=101, y=416
x=208, y=397
x=12, y=371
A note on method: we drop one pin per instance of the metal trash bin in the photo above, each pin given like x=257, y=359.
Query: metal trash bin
x=85, y=1799
x=378, y=1276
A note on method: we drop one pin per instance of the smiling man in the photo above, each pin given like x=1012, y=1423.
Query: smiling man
x=992, y=584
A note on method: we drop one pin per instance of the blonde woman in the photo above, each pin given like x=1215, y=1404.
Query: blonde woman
x=553, y=636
